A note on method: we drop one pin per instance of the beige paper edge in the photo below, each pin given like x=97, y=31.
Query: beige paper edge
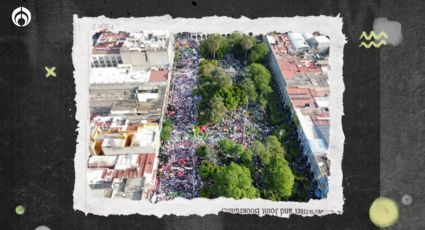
x=85, y=27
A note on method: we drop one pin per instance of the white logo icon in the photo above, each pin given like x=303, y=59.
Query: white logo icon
x=21, y=16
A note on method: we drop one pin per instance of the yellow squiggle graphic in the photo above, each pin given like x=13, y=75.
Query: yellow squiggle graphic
x=374, y=35
x=372, y=43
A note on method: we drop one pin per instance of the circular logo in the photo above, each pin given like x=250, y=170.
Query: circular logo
x=21, y=16
x=20, y=210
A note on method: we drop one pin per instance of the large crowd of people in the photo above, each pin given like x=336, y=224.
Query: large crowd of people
x=179, y=164
x=239, y=127
x=178, y=176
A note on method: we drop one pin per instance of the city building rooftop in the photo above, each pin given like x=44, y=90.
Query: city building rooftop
x=109, y=42
x=117, y=75
x=158, y=76
x=155, y=40
x=126, y=74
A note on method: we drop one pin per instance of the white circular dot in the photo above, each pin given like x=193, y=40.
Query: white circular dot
x=42, y=227
x=406, y=199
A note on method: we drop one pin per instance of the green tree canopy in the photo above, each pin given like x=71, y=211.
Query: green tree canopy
x=235, y=151
x=204, y=170
x=235, y=38
x=166, y=130
x=241, y=44
x=246, y=157
x=248, y=92
x=282, y=132
x=275, y=115
x=234, y=181
x=215, y=47
x=211, y=155
x=302, y=186
x=246, y=45
x=217, y=110
x=234, y=42
x=214, y=82
x=206, y=69
x=205, y=191
x=201, y=151
x=274, y=147
x=220, y=78
x=271, y=149
x=230, y=148
x=231, y=97
x=207, y=152
x=260, y=150
x=258, y=53
x=226, y=146
x=213, y=44
x=261, y=78
x=278, y=179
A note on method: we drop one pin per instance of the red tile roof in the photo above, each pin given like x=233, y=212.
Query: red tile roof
x=107, y=48
x=149, y=163
x=158, y=76
x=301, y=103
x=142, y=161
x=297, y=91
x=291, y=65
x=319, y=93
x=109, y=42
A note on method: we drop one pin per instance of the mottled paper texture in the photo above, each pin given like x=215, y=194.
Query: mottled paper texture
x=85, y=27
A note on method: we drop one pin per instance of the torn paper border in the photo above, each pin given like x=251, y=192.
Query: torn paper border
x=85, y=27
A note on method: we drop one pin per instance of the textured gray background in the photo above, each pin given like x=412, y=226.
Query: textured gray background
x=403, y=113
x=383, y=104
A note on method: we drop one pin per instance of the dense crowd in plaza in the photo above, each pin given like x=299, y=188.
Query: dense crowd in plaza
x=178, y=176
x=178, y=168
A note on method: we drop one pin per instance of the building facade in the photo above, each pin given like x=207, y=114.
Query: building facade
x=303, y=87
x=127, y=105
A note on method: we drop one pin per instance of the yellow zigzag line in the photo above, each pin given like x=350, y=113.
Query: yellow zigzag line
x=372, y=34
x=372, y=43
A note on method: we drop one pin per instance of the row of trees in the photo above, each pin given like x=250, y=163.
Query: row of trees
x=262, y=165
x=277, y=116
x=235, y=178
x=220, y=94
x=227, y=152
x=277, y=179
x=243, y=47
x=231, y=179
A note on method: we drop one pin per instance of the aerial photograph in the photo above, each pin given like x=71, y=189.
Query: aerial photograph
x=195, y=115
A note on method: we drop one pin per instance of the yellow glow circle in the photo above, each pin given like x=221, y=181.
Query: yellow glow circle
x=383, y=212
x=20, y=210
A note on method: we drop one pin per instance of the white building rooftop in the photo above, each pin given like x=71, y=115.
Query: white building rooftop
x=113, y=75
x=318, y=147
x=143, y=138
x=146, y=39
x=102, y=161
x=298, y=40
x=127, y=161
x=113, y=143
x=322, y=39
x=94, y=176
x=322, y=102
x=270, y=40
x=307, y=125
